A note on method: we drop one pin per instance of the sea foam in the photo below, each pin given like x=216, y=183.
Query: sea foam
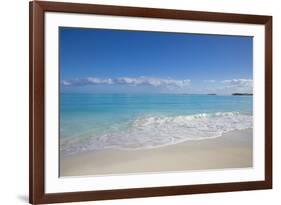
x=147, y=132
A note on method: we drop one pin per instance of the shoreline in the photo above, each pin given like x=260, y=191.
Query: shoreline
x=231, y=150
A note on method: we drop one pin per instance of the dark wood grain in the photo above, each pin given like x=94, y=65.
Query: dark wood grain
x=36, y=132
x=152, y=12
x=36, y=111
x=268, y=102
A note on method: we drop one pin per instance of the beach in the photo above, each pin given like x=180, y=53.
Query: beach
x=231, y=150
x=179, y=102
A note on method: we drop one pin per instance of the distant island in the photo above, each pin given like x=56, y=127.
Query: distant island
x=212, y=94
x=242, y=94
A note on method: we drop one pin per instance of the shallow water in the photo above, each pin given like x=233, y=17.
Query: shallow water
x=140, y=121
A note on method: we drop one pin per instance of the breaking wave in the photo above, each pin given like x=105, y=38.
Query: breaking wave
x=148, y=132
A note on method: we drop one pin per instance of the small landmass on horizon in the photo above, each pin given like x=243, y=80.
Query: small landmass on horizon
x=242, y=94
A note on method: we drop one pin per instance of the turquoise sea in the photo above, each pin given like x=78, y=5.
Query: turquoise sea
x=143, y=121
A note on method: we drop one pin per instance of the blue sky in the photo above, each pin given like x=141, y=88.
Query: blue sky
x=99, y=60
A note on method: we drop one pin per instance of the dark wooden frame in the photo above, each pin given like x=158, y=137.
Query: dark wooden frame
x=37, y=194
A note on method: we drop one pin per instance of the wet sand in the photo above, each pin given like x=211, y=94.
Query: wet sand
x=232, y=150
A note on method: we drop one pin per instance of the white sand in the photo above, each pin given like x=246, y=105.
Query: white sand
x=232, y=150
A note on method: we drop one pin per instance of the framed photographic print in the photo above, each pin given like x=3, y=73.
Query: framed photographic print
x=139, y=102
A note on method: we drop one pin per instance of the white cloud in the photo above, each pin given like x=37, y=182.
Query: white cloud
x=238, y=85
x=66, y=83
x=87, y=81
x=155, y=82
x=149, y=81
x=92, y=80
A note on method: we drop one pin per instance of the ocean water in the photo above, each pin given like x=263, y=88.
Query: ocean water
x=145, y=121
